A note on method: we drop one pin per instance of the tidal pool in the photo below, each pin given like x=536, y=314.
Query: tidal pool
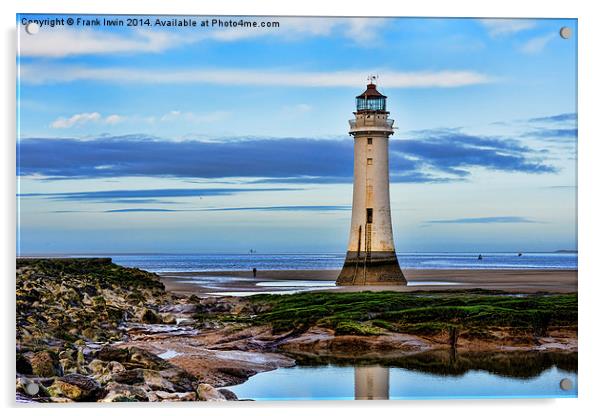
x=488, y=377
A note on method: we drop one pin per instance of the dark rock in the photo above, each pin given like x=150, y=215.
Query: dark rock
x=175, y=397
x=148, y=316
x=45, y=364
x=23, y=365
x=129, y=377
x=142, y=358
x=116, y=392
x=228, y=394
x=181, y=379
x=242, y=373
x=208, y=393
x=76, y=387
x=109, y=353
x=89, y=290
x=115, y=367
x=213, y=305
x=150, y=378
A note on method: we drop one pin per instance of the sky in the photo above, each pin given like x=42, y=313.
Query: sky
x=221, y=139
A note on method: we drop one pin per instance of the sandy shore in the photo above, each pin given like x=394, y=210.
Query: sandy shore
x=240, y=283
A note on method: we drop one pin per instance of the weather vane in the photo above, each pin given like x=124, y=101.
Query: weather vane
x=372, y=79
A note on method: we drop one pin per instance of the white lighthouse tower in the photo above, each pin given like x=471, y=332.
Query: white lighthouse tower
x=371, y=258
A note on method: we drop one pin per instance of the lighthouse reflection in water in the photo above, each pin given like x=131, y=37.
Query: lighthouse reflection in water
x=372, y=383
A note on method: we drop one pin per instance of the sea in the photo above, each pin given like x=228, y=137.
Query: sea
x=325, y=261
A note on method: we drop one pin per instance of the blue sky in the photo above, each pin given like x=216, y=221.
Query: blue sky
x=225, y=139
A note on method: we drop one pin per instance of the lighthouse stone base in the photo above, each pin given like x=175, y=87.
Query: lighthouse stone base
x=374, y=268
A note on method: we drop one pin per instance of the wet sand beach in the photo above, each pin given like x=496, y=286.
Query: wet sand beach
x=241, y=283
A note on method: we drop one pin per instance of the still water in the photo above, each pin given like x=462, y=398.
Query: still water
x=491, y=376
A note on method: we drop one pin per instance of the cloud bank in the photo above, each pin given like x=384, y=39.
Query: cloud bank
x=287, y=208
x=424, y=156
x=143, y=195
x=557, y=118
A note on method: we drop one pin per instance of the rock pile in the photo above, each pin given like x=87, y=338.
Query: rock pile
x=70, y=317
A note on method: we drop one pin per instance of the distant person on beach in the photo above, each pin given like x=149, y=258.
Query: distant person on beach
x=254, y=272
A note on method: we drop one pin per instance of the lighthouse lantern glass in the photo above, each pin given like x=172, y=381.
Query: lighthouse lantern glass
x=371, y=104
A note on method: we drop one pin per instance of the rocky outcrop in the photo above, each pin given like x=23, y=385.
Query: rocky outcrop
x=72, y=314
x=61, y=301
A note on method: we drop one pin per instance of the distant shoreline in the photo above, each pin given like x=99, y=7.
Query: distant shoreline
x=291, y=253
x=506, y=280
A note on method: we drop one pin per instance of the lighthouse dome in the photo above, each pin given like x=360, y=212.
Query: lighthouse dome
x=371, y=100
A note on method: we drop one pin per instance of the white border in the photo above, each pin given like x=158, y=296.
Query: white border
x=590, y=272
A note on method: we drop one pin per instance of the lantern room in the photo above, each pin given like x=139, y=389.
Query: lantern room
x=371, y=100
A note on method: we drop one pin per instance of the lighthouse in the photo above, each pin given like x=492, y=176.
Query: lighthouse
x=371, y=258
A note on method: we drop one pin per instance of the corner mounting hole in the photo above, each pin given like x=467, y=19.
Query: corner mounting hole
x=32, y=28
x=566, y=384
x=32, y=389
x=565, y=32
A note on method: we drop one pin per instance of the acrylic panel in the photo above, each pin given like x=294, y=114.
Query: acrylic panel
x=216, y=208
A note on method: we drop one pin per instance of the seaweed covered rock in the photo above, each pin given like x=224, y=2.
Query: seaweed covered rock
x=148, y=316
x=60, y=301
x=76, y=387
x=45, y=364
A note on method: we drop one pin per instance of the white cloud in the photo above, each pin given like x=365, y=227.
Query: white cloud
x=76, y=119
x=84, y=118
x=62, y=41
x=114, y=119
x=39, y=74
x=503, y=27
x=537, y=44
x=364, y=30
